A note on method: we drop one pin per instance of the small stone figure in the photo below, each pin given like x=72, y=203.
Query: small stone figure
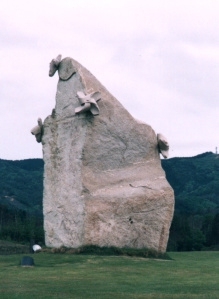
x=66, y=69
x=88, y=102
x=38, y=130
x=54, y=64
x=163, y=145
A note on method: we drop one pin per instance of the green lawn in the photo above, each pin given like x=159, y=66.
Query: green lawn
x=189, y=275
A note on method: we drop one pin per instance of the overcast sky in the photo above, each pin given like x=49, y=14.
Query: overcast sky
x=160, y=59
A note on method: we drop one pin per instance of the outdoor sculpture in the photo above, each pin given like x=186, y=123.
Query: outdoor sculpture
x=163, y=145
x=103, y=180
x=64, y=72
x=37, y=131
x=88, y=102
x=54, y=64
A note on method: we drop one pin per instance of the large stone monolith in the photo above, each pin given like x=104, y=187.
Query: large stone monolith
x=103, y=181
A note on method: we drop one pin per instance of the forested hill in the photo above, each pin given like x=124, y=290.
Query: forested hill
x=195, y=181
x=21, y=184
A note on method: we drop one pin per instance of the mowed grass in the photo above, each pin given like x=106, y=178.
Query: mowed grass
x=188, y=275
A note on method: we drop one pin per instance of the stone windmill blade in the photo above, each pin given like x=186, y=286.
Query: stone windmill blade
x=96, y=96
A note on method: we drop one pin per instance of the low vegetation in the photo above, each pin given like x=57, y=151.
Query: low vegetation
x=7, y=247
x=112, y=250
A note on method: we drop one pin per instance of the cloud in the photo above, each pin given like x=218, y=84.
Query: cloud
x=159, y=58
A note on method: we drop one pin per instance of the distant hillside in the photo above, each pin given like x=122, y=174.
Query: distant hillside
x=21, y=192
x=195, y=181
x=21, y=184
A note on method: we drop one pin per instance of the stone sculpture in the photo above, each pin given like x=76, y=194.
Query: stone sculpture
x=163, y=145
x=54, y=64
x=88, y=102
x=37, y=131
x=66, y=69
x=103, y=180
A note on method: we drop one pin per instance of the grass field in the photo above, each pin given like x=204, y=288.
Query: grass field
x=188, y=275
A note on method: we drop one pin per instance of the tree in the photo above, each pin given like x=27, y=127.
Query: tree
x=215, y=230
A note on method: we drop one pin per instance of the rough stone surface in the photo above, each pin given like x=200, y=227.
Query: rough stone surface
x=103, y=181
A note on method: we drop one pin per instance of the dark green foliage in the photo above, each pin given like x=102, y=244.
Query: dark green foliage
x=215, y=230
x=21, y=184
x=20, y=226
x=195, y=182
x=8, y=247
x=28, y=164
x=21, y=190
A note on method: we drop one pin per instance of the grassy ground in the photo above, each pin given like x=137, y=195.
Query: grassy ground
x=189, y=275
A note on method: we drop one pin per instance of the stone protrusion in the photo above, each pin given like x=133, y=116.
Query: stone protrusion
x=54, y=64
x=37, y=131
x=88, y=102
x=163, y=145
x=66, y=69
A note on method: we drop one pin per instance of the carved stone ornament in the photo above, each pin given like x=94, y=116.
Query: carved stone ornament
x=66, y=69
x=54, y=65
x=37, y=131
x=163, y=145
x=88, y=102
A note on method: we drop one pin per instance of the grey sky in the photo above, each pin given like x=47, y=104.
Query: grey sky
x=160, y=59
